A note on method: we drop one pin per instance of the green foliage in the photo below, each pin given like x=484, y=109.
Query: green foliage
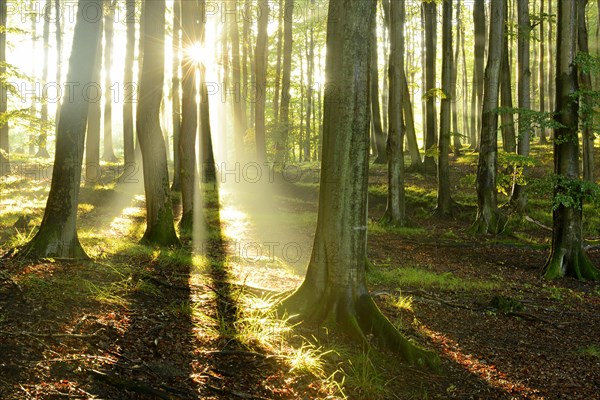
x=530, y=120
x=511, y=173
x=592, y=351
x=436, y=93
x=506, y=304
x=571, y=193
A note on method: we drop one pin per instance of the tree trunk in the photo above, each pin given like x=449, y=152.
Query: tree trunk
x=278, y=66
x=59, y=56
x=375, y=111
x=159, y=213
x=509, y=141
x=260, y=68
x=445, y=203
x=281, y=143
x=57, y=235
x=542, y=73
x=109, y=153
x=239, y=104
x=335, y=289
x=93, y=170
x=128, y=134
x=478, y=72
x=395, y=213
x=488, y=218
x=4, y=147
x=567, y=257
x=518, y=198
x=176, y=95
x=430, y=10
x=189, y=114
x=207, y=158
x=33, y=108
x=310, y=66
x=43, y=137
x=586, y=101
x=455, y=136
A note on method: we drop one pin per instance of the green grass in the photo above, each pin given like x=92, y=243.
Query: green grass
x=419, y=277
x=591, y=351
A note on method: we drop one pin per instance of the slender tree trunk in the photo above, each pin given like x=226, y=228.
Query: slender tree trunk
x=395, y=212
x=43, y=137
x=59, y=56
x=260, y=68
x=159, y=213
x=480, y=29
x=542, y=73
x=455, y=135
x=409, y=122
x=239, y=105
x=93, y=170
x=33, y=108
x=586, y=85
x=57, y=235
x=281, y=142
x=189, y=114
x=128, y=134
x=335, y=285
x=518, y=199
x=568, y=258
x=278, y=66
x=444, y=197
x=246, y=55
x=176, y=95
x=430, y=10
x=380, y=142
x=509, y=141
x=488, y=218
x=206, y=151
x=385, y=88
x=109, y=153
x=4, y=147
x=468, y=130
x=310, y=66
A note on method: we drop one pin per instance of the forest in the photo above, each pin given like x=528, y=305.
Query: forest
x=299, y=199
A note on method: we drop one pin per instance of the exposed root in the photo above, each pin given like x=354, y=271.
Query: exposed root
x=454, y=210
x=577, y=265
x=494, y=224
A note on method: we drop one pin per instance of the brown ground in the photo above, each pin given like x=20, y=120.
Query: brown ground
x=141, y=349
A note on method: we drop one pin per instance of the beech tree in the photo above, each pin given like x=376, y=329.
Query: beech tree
x=260, y=71
x=567, y=258
x=488, y=217
x=43, y=137
x=128, y=85
x=4, y=149
x=189, y=113
x=57, y=235
x=478, y=68
x=587, y=102
x=335, y=287
x=284, y=113
x=159, y=212
x=109, y=153
x=430, y=16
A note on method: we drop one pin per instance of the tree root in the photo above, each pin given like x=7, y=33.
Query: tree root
x=577, y=265
x=133, y=386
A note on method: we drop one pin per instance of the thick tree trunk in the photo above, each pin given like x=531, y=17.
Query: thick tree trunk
x=59, y=57
x=176, y=95
x=43, y=137
x=189, y=114
x=281, y=141
x=335, y=288
x=430, y=10
x=488, y=217
x=278, y=66
x=518, y=198
x=587, y=103
x=567, y=257
x=455, y=136
x=445, y=204
x=159, y=213
x=260, y=68
x=109, y=153
x=4, y=148
x=395, y=213
x=57, y=235
x=542, y=73
x=128, y=86
x=93, y=170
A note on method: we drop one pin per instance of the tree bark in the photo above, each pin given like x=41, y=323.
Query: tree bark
x=281, y=142
x=542, y=71
x=278, y=66
x=176, y=95
x=378, y=134
x=57, y=235
x=239, y=104
x=128, y=86
x=567, y=257
x=189, y=114
x=488, y=217
x=59, y=57
x=159, y=213
x=395, y=213
x=509, y=141
x=109, y=153
x=43, y=137
x=335, y=288
x=478, y=68
x=455, y=136
x=586, y=85
x=518, y=198
x=260, y=72
x=445, y=203
x=93, y=171
x=430, y=13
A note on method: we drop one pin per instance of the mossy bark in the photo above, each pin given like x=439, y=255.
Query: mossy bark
x=567, y=257
x=334, y=288
x=57, y=236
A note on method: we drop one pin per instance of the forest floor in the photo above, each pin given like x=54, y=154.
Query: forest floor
x=196, y=322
